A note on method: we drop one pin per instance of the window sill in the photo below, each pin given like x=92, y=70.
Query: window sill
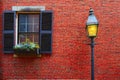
x=26, y=55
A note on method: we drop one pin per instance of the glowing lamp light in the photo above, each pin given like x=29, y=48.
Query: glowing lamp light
x=92, y=30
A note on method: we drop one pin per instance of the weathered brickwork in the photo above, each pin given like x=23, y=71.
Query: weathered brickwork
x=71, y=55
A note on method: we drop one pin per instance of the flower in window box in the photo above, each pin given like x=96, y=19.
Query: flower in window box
x=27, y=47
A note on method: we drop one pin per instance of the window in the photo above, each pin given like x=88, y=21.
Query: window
x=35, y=26
x=28, y=27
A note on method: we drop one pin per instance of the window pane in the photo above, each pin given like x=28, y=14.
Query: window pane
x=30, y=28
x=22, y=28
x=36, y=18
x=22, y=23
x=36, y=38
x=36, y=23
x=30, y=37
x=36, y=28
x=22, y=18
x=30, y=18
x=22, y=38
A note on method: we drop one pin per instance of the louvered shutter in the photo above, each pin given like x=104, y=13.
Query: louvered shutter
x=46, y=31
x=8, y=31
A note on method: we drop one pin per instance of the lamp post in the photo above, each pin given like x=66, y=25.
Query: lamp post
x=92, y=29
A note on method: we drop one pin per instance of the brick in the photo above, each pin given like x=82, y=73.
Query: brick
x=71, y=54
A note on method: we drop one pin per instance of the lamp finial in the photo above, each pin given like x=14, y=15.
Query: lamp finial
x=91, y=11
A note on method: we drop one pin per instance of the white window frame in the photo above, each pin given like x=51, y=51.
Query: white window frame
x=16, y=28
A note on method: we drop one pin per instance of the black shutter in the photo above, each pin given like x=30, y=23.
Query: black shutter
x=8, y=31
x=46, y=31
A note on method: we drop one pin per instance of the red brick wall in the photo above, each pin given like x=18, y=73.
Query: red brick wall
x=71, y=54
x=1, y=76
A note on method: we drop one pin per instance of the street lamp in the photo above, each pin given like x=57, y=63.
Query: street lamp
x=92, y=29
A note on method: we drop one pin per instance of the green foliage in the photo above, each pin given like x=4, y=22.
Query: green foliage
x=27, y=45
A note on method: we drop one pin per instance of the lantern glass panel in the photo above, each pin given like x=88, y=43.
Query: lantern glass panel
x=92, y=30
